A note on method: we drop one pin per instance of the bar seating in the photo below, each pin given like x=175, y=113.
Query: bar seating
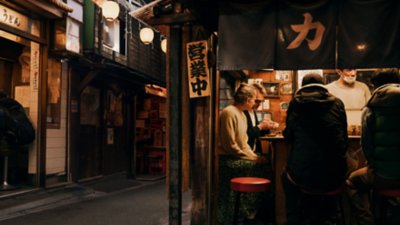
x=383, y=195
x=337, y=193
x=247, y=184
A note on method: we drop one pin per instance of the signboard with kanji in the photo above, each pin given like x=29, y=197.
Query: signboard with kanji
x=199, y=82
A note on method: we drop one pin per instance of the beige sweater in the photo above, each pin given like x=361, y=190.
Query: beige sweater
x=354, y=98
x=233, y=135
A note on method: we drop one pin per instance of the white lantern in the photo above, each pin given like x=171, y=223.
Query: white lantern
x=110, y=10
x=164, y=45
x=146, y=35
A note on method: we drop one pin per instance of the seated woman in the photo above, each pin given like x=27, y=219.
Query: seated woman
x=236, y=157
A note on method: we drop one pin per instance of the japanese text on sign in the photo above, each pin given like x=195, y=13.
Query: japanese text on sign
x=17, y=20
x=198, y=69
x=303, y=30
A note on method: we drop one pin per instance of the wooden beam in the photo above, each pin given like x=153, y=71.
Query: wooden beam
x=87, y=79
x=172, y=19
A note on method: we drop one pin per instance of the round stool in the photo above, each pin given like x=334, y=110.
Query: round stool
x=336, y=193
x=384, y=194
x=247, y=184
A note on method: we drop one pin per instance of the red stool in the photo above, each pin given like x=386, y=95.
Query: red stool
x=247, y=184
x=337, y=192
x=384, y=194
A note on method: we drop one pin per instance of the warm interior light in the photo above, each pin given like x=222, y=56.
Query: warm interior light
x=110, y=10
x=164, y=45
x=146, y=35
x=361, y=47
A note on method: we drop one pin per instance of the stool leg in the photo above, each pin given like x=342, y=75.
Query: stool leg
x=5, y=186
x=383, y=210
x=237, y=205
x=341, y=209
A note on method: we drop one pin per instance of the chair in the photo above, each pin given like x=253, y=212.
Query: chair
x=247, y=184
x=337, y=193
x=383, y=195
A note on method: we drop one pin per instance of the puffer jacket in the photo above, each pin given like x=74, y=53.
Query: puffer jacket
x=316, y=126
x=385, y=128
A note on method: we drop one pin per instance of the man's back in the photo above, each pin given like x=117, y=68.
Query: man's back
x=383, y=125
x=317, y=128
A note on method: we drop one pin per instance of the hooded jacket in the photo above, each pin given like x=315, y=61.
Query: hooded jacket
x=316, y=126
x=381, y=131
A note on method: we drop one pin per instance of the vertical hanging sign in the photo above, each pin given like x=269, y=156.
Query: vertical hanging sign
x=35, y=62
x=199, y=82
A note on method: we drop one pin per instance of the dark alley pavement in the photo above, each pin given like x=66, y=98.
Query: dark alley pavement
x=114, y=200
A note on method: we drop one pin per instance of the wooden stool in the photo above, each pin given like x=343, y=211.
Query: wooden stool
x=384, y=194
x=247, y=184
x=337, y=192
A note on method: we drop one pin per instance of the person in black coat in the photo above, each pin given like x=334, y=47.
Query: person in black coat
x=316, y=128
x=380, y=145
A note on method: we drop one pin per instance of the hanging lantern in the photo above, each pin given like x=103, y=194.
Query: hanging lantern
x=146, y=35
x=164, y=45
x=110, y=10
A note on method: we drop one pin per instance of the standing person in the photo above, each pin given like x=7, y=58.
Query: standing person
x=353, y=93
x=236, y=157
x=380, y=144
x=255, y=128
x=17, y=135
x=316, y=127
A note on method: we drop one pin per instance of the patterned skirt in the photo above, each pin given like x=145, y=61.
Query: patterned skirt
x=231, y=167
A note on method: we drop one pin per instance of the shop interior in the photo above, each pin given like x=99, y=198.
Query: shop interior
x=281, y=86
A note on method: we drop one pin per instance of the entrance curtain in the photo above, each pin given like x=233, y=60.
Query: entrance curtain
x=287, y=34
x=246, y=35
x=369, y=34
x=306, y=35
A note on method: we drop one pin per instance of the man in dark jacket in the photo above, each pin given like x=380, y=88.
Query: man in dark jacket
x=256, y=128
x=380, y=143
x=316, y=126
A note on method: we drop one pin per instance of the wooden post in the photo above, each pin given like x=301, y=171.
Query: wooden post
x=175, y=126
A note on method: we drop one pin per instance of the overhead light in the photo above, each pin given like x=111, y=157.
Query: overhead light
x=164, y=45
x=146, y=35
x=110, y=10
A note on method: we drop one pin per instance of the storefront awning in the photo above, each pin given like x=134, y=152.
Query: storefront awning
x=46, y=8
x=62, y=5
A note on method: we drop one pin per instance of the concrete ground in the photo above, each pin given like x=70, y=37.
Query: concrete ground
x=112, y=200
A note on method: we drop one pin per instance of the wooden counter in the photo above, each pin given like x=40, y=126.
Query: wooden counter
x=279, y=150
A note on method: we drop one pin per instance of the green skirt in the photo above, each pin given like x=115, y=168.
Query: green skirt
x=231, y=167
